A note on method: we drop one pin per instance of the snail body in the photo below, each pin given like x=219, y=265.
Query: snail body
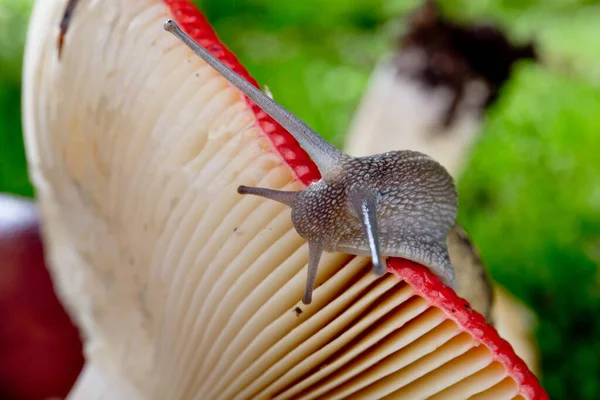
x=399, y=203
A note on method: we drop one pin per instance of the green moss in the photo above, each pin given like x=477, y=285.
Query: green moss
x=13, y=166
x=13, y=24
x=530, y=198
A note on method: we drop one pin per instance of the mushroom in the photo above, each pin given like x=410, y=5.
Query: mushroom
x=183, y=288
x=40, y=348
x=415, y=101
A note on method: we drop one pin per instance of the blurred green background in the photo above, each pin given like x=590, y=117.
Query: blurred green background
x=530, y=196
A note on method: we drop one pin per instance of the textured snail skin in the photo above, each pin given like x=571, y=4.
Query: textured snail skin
x=415, y=208
x=400, y=203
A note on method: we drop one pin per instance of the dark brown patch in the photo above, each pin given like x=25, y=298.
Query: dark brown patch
x=452, y=54
x=64, y=24
x=298, y=311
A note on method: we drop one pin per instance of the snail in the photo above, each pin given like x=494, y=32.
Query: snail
x=394, y=204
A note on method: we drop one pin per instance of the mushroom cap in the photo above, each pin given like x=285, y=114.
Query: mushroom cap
x=185, y=289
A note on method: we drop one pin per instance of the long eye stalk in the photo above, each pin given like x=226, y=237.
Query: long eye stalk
x=365, y=204
x=369, y=219
x=320, y=151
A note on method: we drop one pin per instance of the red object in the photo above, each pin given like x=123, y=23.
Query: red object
x=424, y=282
x=41, y=352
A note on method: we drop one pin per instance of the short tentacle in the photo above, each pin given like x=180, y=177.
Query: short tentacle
x=320, y=151
x=281, y=196
x=315, y=249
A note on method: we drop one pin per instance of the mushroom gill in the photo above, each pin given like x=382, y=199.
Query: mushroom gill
x=185, y=289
